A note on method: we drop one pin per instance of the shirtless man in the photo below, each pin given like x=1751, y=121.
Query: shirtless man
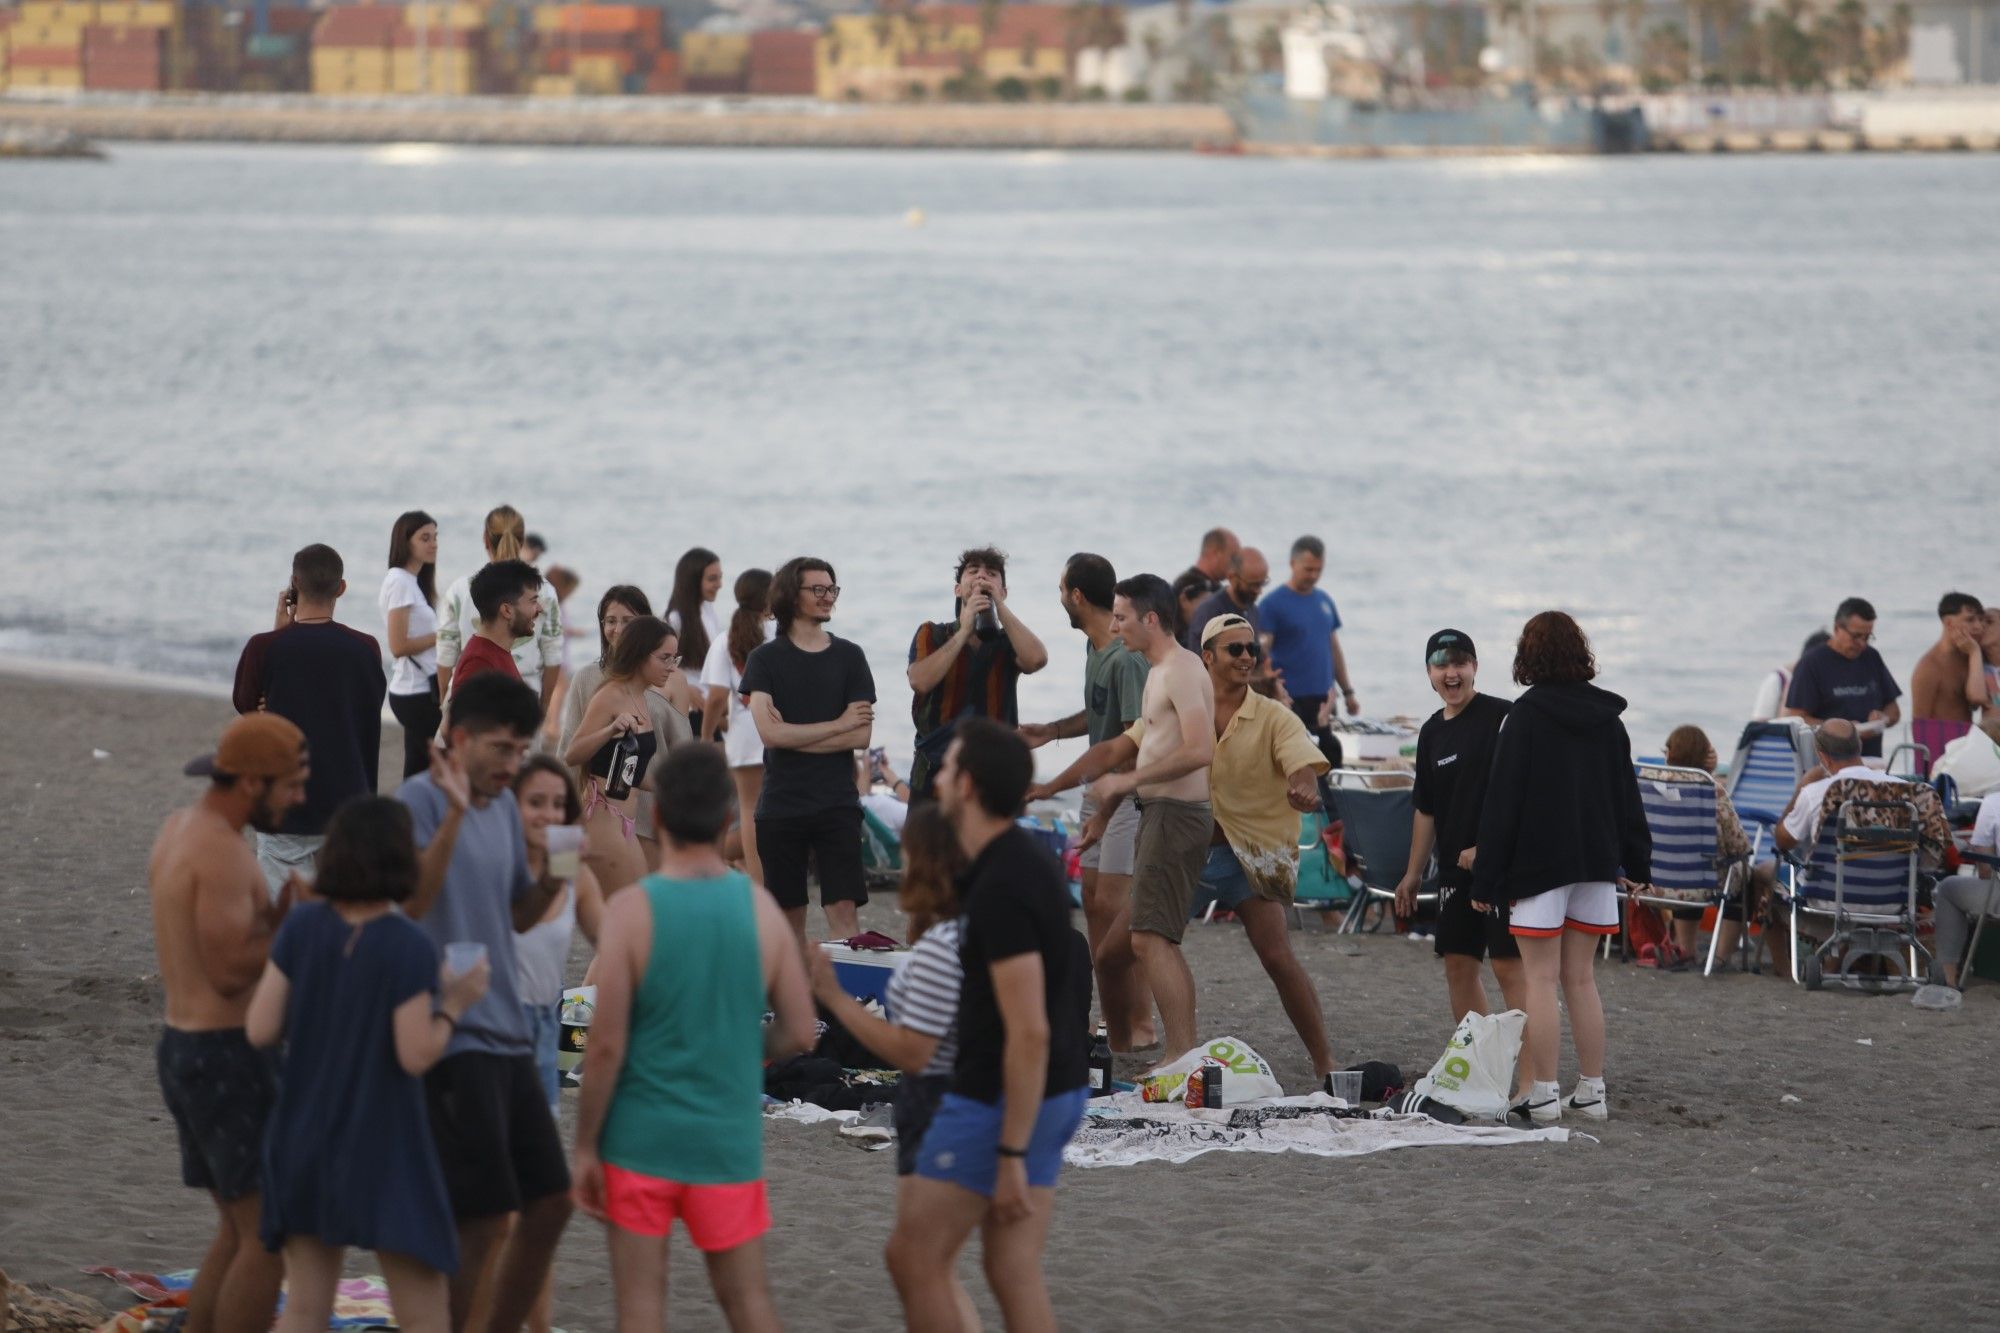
x=213, y=919
x=1175, y=822
x=1940, y=695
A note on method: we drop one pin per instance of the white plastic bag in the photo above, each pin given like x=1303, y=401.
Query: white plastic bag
x=1246, y=1077
x=1475, y=1075
x=1973, y=761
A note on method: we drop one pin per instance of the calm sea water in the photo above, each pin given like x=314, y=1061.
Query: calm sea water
x=1695, y=401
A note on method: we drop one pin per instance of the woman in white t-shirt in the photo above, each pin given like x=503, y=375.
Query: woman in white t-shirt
x=691, y=609
x=408, y=601
x=724, y=715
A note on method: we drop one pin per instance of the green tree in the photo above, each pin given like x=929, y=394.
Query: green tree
x=1011, y=89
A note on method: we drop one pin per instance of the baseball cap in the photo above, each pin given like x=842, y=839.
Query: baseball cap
x=256, y=745
x=1455, y=642
x=1222, y=624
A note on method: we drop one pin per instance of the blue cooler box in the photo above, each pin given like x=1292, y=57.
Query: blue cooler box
x=865, y=974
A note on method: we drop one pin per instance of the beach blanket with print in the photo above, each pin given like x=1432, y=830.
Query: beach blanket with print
x=1124, y=1131
x=359, y=1302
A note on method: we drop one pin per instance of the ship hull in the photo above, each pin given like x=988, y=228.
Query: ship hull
x=1270, y=120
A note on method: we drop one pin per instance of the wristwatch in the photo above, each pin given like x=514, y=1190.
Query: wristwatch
x=1005, y=1151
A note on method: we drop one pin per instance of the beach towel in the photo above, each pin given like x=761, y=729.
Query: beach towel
x=1124, y=1131
x=359, y=1302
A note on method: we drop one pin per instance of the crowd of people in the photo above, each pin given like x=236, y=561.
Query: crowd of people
x=361, y=1024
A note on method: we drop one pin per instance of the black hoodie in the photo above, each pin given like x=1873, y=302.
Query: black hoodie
x=1562, y=806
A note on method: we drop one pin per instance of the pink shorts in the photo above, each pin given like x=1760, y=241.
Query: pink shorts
x=718, y=1217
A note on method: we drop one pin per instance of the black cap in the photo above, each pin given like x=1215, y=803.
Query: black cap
x=1449, y=641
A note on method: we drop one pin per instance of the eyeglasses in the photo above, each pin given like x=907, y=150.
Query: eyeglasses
x=673, y=661
x=826, y=592
x=1255, y=650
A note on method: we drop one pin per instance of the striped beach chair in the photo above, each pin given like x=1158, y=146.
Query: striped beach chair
x=1770, y=759
x=1861, y=875
x=1688, y=866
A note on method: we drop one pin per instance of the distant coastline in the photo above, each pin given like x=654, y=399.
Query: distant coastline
x=628, y=122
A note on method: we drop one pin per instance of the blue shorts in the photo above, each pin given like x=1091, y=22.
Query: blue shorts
x=959, y=1146
x=545, y=1030
x=1222, y=879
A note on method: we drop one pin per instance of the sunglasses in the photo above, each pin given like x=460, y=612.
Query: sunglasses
x=1449, y=657
x=1254, y=651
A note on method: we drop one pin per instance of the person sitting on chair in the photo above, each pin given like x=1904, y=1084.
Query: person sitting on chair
x=1689, y=747
x=1963, y=899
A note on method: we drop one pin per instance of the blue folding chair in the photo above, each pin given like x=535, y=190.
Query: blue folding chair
x=1376, y=822
x=1689, y=869
x=1861, y=875
x=1770, y=759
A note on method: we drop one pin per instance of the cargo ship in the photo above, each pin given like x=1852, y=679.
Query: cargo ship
x=1350, y=87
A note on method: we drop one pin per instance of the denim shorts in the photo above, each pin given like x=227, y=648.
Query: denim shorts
x=959, y=1148
x=1222, y=879
x=545, y=1030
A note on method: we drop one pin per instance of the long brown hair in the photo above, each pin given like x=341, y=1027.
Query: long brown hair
x=505, y=531
x=618, y=594
x=685, y=599
x=639, y=641
x=932, y=860
x=746, y=622
x=548, y=763
x=1553, y=651
x=1687, y=746
x=407, y=526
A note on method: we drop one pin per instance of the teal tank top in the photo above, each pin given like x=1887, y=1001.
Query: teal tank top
x=690, y=1100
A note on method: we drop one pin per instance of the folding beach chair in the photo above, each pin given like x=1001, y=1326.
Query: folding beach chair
x=1972, y=861
x=881, y=851
x=1862, y=875
x=1688, y=866
x=1376, y=820
x=1770, y=759
x=1319, y=886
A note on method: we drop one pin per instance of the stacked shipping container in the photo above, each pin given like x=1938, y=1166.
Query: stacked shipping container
x=350, y=50
x=117, y=59
x=595, y=49
x=781, y=63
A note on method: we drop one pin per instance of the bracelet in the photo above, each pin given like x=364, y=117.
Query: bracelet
x=447, y=1016
x=1347, y=691
x=1004, y=1151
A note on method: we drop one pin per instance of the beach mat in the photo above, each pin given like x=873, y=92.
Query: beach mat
x=359, y=1302
x=1124, y=1131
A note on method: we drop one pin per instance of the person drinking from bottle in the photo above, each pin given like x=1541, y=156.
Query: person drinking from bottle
x=970, y=665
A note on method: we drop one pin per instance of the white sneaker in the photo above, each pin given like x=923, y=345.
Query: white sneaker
x=1590, y=1105
x=1546, y=1111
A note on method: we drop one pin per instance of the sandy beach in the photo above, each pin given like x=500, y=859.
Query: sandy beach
x=1709, y=1198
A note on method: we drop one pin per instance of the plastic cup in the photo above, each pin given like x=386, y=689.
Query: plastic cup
x=565, y=850
x=461, y=956
x=1347, y=1085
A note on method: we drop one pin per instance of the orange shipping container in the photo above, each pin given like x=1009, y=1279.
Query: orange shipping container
x=46, y=57
x=599, y=18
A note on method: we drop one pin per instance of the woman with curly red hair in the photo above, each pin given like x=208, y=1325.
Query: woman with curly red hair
x=1561, y=829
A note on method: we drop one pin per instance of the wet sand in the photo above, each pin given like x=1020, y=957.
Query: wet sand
x=1708, y=1199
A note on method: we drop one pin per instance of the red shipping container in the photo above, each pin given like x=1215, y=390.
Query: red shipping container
x=718, y=83
x=358, y=25
x=46, y=57
x=665, y=80
x=121, y=82
x=287, y=21
x=782, y=64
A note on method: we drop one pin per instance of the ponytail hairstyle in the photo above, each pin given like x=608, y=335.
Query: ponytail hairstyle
x=746, y=622
x=407, y=526
x=686, y=603
x=506, y=530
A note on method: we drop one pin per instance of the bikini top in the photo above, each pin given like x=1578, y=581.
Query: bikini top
x=620, y=777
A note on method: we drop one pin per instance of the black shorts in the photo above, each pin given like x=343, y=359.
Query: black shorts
x=828, y=842
x=495, y=1138
x=220, y=1090
x=916, y=1102
x=1464, y=929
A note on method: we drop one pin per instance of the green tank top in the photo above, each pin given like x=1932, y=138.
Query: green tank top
x=690, y=1100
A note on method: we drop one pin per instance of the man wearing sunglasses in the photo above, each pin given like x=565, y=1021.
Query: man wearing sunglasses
x=956, y=671
x=1263, y=775
x=812, y=698
x=1845, y=677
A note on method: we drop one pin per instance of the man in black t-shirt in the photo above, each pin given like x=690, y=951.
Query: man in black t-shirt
x=994, y=1149
x=1454, y=758
x=813, y=700
x=326, y=680
x=1846, y=678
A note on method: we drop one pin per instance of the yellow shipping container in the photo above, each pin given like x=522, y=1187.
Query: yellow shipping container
x=548, y=18
x=461, y=17
x=137, y=14
x=70, y=77
x=715, y=53
x=597, y=74
x=80, y=13
x=45, y=34
x=39, y=11
x=450, y=73
x=552, y=85
x=350, y=70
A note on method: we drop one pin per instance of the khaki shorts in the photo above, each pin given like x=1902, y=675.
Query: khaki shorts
x=1112, y=854
x=1173, y=843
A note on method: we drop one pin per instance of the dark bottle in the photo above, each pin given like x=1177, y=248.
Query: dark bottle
x=986, y=626
x=1100, y=1065
x=624, y=769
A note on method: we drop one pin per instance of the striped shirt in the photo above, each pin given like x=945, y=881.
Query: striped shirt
x=923, y=995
